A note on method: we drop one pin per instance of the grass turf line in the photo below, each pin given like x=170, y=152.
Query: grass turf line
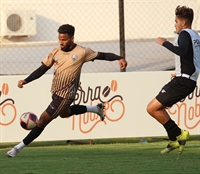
x=123, y=157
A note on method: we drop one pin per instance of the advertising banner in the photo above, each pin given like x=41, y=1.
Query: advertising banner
x=126, y=96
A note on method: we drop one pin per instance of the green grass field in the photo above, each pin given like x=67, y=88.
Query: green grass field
x=120, y=156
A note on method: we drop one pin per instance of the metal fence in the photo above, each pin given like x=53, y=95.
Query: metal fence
x=126, y=27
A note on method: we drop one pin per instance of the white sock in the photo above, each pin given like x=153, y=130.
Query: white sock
x=93, y=109
x=20, y=146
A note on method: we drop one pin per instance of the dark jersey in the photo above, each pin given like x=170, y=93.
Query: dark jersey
x=187, y=50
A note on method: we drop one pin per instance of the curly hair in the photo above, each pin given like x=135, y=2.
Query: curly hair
x=66, y=29
x=183, y=12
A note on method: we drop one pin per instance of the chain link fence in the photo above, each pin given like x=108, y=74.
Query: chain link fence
x=29, y=31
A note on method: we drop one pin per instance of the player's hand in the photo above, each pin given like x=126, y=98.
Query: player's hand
x=173, y=75
x=122, y=64
x=21, y=83
x=161, y=40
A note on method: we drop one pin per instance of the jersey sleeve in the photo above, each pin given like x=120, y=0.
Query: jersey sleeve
x=184, y=42
x=90, y=54
x=49, y=60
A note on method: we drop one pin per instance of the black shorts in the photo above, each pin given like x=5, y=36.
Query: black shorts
x=57, y=105
x=176, y=90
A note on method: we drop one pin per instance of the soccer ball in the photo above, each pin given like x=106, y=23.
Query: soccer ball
x=28, y=120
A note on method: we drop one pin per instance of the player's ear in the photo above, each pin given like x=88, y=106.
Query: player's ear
x=72, y=38
x=184, y=22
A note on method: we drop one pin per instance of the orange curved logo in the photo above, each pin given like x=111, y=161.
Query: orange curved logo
x=113, y=103
x=188, y=114
x=8, y=111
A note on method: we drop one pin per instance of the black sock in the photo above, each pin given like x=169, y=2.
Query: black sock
x=172, y=130
x=35, y=132
x=78, y=109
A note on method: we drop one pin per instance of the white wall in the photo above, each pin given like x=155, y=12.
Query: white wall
x=127, y=97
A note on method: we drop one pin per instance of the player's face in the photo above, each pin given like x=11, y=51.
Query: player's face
x=179, y=24
x=66, y=42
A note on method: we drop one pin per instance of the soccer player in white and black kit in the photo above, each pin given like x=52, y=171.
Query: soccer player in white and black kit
x=67, y=61
x=187, y=68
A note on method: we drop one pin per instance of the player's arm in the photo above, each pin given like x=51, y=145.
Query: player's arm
x=34, y=75
x=108, y=56
x=112, y=57
x=184, y=44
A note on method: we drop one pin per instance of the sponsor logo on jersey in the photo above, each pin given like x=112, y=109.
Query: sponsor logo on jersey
x=74, y=57
x=56, y=60
x=196, y=42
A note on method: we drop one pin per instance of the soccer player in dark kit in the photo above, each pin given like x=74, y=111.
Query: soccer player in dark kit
x=187, y=68
x=67, y=61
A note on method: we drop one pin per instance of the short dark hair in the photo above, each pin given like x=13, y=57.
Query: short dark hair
x=184, y=12
x=66, y=29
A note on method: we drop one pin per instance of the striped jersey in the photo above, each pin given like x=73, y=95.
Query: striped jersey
x=67, y=69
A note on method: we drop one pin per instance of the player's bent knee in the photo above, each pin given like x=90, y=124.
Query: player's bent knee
x=44, y=120
x=42, y=124
x=150, y=109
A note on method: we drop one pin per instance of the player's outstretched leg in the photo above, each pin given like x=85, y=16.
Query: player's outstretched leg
x=12, y=153
x=33, y=134
x=100, y=112
x=80, y=109
x=15, y=150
